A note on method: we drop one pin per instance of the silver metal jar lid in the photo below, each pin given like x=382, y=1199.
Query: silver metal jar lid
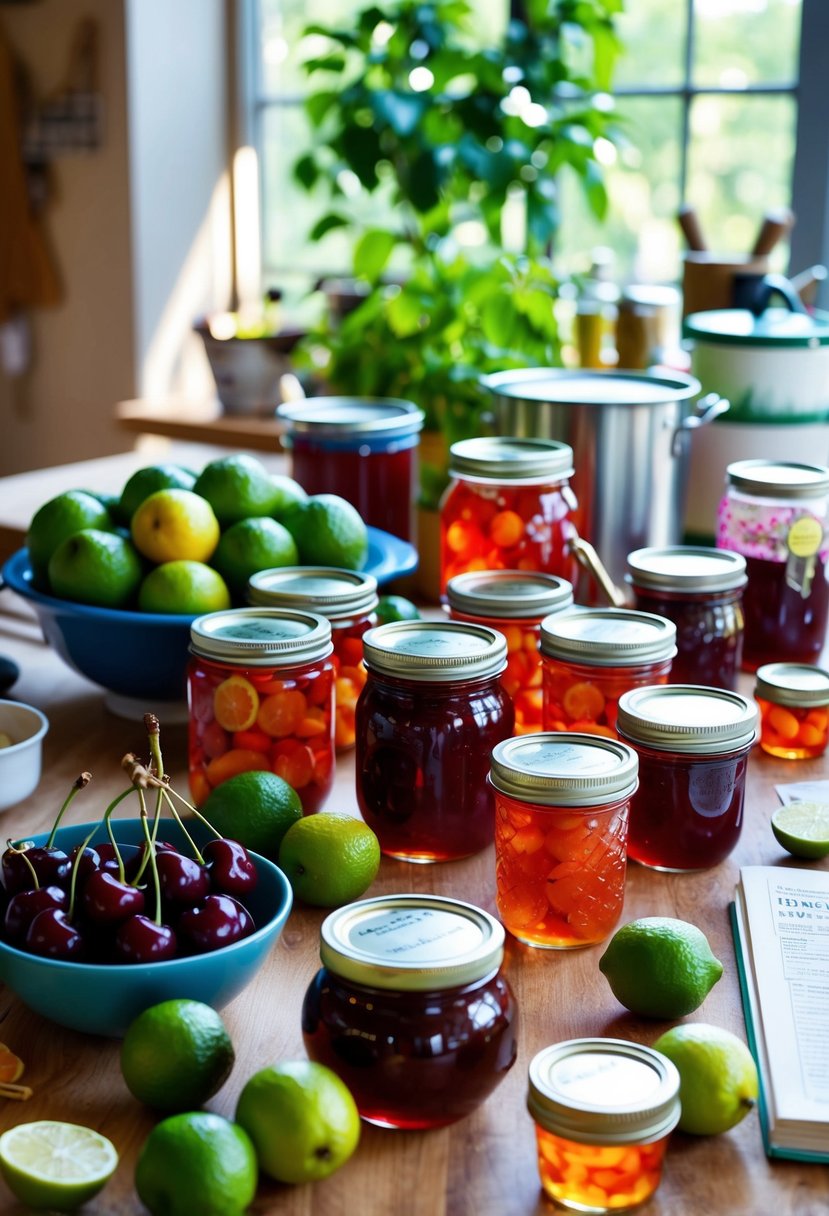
x=325, y=590
x=779, y=478
x=564, y=768
x=604, y=1091
x=437, y=651
x=507, y=459
x=687, y=718
x=261, y=637
x=688, y=568
x=411, y=943
x=351, y=416
x=608, y=637
x=508, y=593
x=797, y=684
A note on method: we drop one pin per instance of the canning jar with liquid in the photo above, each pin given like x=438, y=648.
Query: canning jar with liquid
x=794, y=710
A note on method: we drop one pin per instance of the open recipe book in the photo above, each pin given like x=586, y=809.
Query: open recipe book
x=780, y=919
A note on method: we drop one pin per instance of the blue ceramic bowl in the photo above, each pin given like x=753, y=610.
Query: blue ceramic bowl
x=103, y=998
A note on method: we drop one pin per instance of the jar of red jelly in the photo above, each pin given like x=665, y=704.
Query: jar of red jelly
x=260, y=689
x=775, y=514
x=431, y=712
x=794, y=710
x=509, y=506
x=604, y=1110
x=411, y=1008
x=693, y=746
x=514, y=603
x=561, y=822
x=590, y=656
x=345, y=598
x=362, y=448
x=701, y=591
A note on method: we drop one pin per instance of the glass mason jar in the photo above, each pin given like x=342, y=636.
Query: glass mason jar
x=794, y=710
x=260, y=689
x=514, y=603
x=411, y=1008
x=561, y=821
x=362, y=448
x=590, y=656
x=509, y=506
x=693, y=746
x=775, y=514
x=431, y=712
x=345, y=598
x=604, y=1110
x=701, y=591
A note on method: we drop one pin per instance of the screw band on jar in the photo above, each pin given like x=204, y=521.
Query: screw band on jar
x=435, y=651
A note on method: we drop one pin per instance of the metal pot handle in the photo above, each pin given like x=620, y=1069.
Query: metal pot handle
x=588, y=558
x=706, y=410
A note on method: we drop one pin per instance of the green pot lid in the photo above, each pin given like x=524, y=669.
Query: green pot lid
x=776, y=327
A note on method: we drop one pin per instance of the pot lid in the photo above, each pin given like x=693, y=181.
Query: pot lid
x=776, y=327
x=561, y=385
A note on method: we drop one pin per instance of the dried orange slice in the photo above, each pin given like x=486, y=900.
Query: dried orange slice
x=11, y=1066
x=583, y=700
x=235, y=703
x=281, y=713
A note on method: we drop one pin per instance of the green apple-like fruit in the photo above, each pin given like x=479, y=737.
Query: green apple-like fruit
x=58, y=519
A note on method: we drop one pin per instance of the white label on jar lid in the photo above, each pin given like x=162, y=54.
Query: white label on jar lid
x=262, y=629
x=613, y=631
x=415, y=935
x=554, y=758
x=602, y=1079
x=436, y=642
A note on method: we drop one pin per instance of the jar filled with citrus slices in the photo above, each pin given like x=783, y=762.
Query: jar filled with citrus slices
x=260, y=690
x=794, y=710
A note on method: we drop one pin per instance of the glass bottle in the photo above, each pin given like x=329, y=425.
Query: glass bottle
x=794, y=710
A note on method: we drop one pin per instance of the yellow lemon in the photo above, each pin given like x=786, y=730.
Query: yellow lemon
x=175, y=525
x=717, y=1077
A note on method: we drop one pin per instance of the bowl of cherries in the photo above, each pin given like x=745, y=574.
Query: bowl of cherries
x=101, y=920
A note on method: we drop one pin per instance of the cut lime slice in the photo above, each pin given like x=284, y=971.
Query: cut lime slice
x=803, y=829
x=55, y=1165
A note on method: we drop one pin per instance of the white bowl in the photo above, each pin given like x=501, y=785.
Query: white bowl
x=20, y=763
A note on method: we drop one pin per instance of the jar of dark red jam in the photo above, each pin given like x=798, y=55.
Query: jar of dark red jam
x=411, y=1008
x=701, y=591
x=431, y=712
x=362, y=448
x=514, y=603
x=260, y=689
x=590, y=656
x=345, y=598
x=693, y=746
x=775, y=514
x=604, y=1110
x=794, y=710
x=509, y=506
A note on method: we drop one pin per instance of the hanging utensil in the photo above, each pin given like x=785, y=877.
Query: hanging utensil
x=589, y=560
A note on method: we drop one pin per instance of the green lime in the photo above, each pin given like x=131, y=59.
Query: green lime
x=53, y=1165
x=252, y=545
x=176, y=1055
x=717, y=1077
x=94, y=567
x=58, y=519
x=660, y=967
x=803, y=829
x=255, y=808
x=328, y=532
x=302, y=1119
x=183, y=587
x=197, y=1162
x=237, y=487
x=146, y=481
x=289, y=494
x=329, y=859
x=396, y=608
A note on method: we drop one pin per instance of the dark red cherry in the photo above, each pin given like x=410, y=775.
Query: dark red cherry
x=106, y=900
x=25, y=905
x=218, y=921
x=109, y=860
x=53, y=935
x=50, y=866
x=230, y=867
x=182, y=879
x=141, y=940
x=16, y=874
x=90, y=861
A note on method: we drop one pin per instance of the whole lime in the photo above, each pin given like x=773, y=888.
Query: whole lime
x=252, y=545
x=95, y=567
x=329, y=859
x=255, y=808
x=660, y=967
x=175, y=525
x=146, y=481
x=301, y=1118
x=196, y=1162
x=183, y=587
x=55, y=1166
x=237, y=487
x=58, y=519
x=718, y=1083
x=328, y=532
x=288, y=494
x=176, y=1055
x=395, y=608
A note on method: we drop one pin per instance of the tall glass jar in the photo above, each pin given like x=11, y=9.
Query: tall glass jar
x=411, y=1008
x=431, y=712
x=775, y=514
x=260, y=689
x=590, y=656
x=345, y=598
x=701, y=591
x=514, y=603
x=509, y=506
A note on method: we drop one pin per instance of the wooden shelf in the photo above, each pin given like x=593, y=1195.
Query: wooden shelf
x=200, y=422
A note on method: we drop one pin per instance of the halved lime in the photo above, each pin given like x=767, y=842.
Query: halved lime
x=55, y=1165
x=803, y=829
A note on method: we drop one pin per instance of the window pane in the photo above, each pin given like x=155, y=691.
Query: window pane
x=281, y=45
x=740, y=42
x=653, y=36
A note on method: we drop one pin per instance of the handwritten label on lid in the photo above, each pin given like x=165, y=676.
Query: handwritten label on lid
x=441, y=643
x=550, y=759
x=602, y=1079
x=262, y=629
x=415, y=936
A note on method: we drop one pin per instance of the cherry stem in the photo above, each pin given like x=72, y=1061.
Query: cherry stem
x=166, y=793
x=146, y=858
x=153, y=865
x=107, y=824
x=80, y=783
x=22, y=853
x=194, y=811
x=75, y=867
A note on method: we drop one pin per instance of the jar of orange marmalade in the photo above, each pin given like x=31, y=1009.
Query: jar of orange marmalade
x=411, y=1008
x=561, y=822
x=590, y=656
x=509, y=506
x=604, y=1110
x=514, y=603
x=345, y=598
x=794, y=710
x=260, y=689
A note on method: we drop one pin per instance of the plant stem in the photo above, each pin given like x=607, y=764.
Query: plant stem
x=107, y=817
x=80, y=783
x=151, y=854
x=75, y=867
